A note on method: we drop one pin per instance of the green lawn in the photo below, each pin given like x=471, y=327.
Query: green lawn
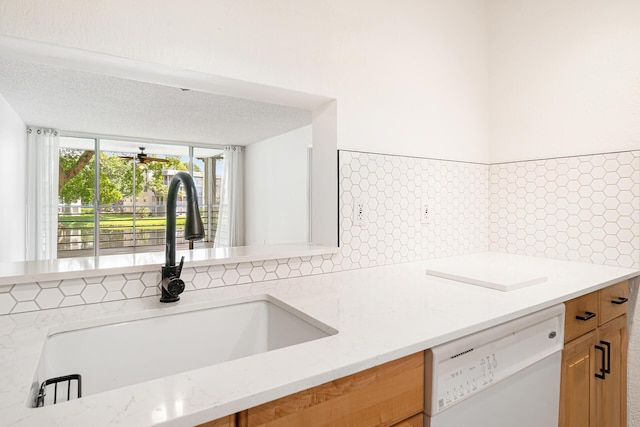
x=115, y=221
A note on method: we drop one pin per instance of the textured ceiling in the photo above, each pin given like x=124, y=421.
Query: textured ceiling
x=77, y=101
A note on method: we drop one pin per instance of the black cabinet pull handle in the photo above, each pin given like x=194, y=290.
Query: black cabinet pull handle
x=619, y=301
x=607, y=367
x=587, y=315
x=603, y=373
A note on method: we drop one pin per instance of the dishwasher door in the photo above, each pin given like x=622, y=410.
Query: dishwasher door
x=527, y=399
x=505, y=376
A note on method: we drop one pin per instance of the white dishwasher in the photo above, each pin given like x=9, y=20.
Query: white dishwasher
x=504, y=376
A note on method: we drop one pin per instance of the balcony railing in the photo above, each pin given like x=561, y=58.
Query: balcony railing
x=119, y=231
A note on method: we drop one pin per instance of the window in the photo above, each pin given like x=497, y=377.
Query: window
x=129, y=209
x=76, y=209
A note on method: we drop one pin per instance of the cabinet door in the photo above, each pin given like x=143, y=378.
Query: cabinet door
x=577, y=388
x=611, y=391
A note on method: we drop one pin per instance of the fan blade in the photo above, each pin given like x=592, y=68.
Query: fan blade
x=127, y=157
x=155, y=159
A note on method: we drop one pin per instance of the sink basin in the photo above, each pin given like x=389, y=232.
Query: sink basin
x=143, y=347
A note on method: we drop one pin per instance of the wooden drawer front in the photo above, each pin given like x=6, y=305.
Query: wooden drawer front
x=580, y=307
x=617, y=293
x=415, y=421
x=380, y=396
x=229, y=421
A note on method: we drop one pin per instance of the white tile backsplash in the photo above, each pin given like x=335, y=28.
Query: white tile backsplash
x=7, y=303
x=584, y=208
x=392, y=190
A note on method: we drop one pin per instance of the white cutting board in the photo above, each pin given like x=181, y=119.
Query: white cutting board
x=503, y=272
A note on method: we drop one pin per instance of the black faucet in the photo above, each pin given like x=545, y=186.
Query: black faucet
x=171, y=285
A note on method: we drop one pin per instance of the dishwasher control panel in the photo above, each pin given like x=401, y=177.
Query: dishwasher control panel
x=467, y=379
x=464, y=367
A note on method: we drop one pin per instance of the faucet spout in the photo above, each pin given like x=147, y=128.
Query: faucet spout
x=171, y=284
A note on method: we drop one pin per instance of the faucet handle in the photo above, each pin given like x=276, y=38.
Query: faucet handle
x=179, y=270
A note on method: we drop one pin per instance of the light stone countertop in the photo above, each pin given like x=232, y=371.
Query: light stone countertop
x=381, y=313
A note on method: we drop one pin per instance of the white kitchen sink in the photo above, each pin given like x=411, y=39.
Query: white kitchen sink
x=151, y=345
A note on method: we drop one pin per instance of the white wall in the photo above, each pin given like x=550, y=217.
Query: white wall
x=426, y=59
x=564, y=77
x=276, y=196
x=13, y=146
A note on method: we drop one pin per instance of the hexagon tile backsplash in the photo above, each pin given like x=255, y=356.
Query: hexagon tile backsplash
x=392, y=191
x=62, y=293
x=584, y=208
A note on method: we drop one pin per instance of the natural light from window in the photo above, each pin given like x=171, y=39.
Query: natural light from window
x=127, y=214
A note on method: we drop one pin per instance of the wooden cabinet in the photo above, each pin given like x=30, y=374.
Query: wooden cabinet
x=388, y=395
x=415, y=421
x=594, y=360
x=577, y=391
x=228, y=421
x=611, y=392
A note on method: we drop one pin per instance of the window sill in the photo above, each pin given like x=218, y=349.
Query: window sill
x=69, y=268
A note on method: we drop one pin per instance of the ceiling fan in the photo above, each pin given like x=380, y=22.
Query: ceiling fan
x=143, y=159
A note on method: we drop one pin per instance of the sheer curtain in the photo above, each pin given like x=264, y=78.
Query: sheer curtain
x=230, y=230
x=42, y=197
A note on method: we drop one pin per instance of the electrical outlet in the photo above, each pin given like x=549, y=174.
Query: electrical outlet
x=358, y=212
x=424, y=211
